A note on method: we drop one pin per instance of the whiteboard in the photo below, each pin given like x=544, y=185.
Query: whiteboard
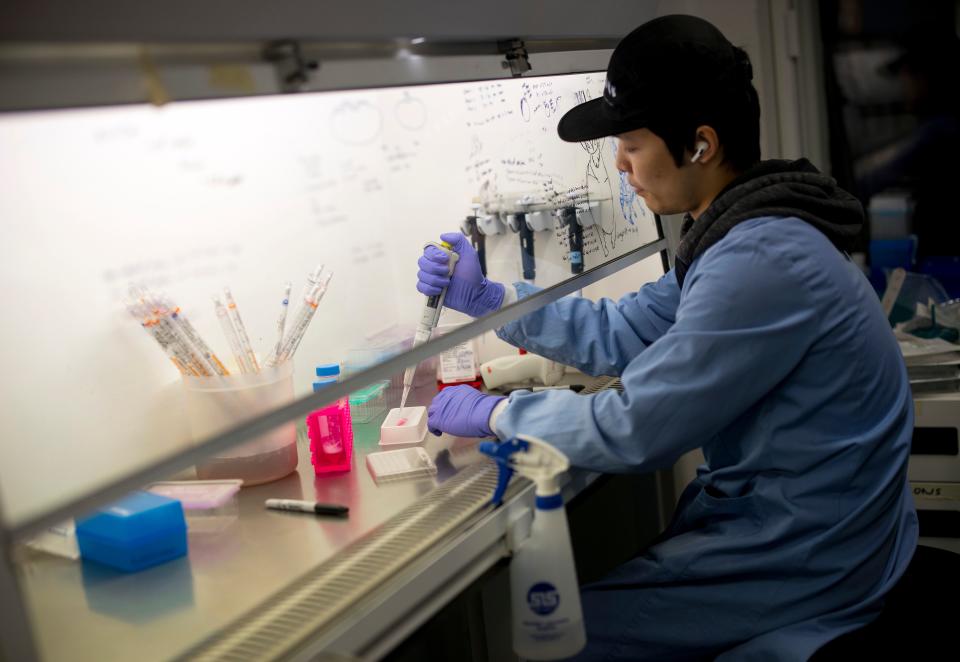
x=249, y=193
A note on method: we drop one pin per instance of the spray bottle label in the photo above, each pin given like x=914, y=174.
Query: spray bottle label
x=543, y=599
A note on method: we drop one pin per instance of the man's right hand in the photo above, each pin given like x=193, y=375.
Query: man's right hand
x=468, y=290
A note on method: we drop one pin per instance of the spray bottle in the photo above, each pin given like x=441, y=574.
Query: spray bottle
x=545, y=598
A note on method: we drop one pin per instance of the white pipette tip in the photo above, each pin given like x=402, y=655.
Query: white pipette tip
x=316, y=273
x=314, y=294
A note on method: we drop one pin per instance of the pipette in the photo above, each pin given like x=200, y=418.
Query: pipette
x=162, y=318
x=194, y=338
x=230, y=334
x=313, y=279
x=248, y=353
x=478, y=239
x=282, y=320
x=428, y=319
x=302, y=320
x=167, y=325
x=168, y=320
x=151, y=326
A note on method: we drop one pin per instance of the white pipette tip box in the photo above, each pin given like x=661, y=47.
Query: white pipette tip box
x=400, y=464
x=404, y=427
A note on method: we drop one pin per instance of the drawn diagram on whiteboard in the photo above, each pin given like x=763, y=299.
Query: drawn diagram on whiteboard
x=631, y=204
x=356, y=122
x=411, y=112
x=475, y=146
x=599, y=187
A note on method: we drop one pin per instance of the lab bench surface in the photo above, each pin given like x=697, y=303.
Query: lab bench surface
x=84, y=611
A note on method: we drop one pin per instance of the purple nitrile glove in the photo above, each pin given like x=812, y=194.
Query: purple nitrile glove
x=468, y=290
x=462, y=411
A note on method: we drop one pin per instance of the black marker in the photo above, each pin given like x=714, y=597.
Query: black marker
x=296, y=506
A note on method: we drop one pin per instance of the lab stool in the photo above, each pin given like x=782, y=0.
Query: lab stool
x=919, y=617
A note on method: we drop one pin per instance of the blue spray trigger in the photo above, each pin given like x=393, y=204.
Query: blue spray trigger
x=501, y=452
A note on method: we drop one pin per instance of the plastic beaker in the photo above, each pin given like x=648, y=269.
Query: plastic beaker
x=215, y=404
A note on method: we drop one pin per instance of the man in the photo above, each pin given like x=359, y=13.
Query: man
x=765, y=346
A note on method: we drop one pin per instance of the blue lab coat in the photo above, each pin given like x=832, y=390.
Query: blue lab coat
x=775, y=358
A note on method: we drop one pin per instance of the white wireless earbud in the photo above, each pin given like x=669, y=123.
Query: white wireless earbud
x=701, y=148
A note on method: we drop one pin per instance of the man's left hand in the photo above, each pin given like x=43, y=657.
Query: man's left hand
x=462, y=411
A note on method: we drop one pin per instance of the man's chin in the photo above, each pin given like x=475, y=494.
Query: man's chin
x=661, y=210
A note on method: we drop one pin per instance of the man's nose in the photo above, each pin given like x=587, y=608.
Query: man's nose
x=621, y=162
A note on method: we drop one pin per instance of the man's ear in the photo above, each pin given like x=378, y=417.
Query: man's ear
x=701, y=148
x=706, y=145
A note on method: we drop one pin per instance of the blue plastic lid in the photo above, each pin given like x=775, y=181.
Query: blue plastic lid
x=138, y=515
x=328, y=370
x=323, y=383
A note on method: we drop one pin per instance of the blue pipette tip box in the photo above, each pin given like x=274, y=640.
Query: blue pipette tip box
x=139, y=531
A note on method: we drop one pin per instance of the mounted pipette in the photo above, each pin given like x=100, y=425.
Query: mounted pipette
x=429, y=317
x=471, y=229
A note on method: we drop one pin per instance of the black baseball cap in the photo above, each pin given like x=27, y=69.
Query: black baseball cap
x=656, y=72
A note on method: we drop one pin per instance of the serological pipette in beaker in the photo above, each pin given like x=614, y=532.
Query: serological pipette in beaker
x=161, y=314
x=241, y=331
x=230, y=334
x=302, y=320
x=139, y=313
x=194, y=338
x=153, y=311
x=281, y=321
x=313, y=279
x=168, y=318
